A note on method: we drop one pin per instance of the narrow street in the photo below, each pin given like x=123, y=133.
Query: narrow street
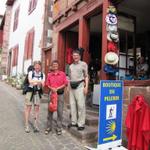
x=12, y=134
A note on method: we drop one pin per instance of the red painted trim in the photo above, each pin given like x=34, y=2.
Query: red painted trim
x=61, y=50
x=136, y=82
x=84, y=36
x=104, y=38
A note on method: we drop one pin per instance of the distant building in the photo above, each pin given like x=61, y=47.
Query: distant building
x=25, y=34
x=5, y=26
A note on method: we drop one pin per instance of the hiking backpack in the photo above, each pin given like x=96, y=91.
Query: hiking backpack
x=26, y=82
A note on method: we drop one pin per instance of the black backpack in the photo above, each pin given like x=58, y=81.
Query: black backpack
x=25, y=87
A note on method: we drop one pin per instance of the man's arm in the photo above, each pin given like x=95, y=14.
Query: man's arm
x=86, y=85
x=86, y=78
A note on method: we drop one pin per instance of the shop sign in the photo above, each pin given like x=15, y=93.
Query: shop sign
x=110, y=114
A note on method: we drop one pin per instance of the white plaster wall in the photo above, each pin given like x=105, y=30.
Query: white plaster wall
x=26, y=22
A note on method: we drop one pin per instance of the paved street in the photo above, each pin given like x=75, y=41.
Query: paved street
x=12, y=135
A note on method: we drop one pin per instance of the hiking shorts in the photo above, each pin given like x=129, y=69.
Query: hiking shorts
x=35, y=99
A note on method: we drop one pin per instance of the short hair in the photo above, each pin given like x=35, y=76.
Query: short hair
x=76, y=51
x=55, y=61
x=37, y=62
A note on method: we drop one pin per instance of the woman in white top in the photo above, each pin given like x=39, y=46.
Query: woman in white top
x=36, y=81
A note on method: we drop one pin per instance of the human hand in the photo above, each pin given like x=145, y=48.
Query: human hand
x=54, y=90
x=85, y=91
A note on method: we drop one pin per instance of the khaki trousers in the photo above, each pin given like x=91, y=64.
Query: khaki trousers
x=77, y=106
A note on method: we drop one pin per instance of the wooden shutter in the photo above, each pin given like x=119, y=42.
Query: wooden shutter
x=34, y=3
x=16, y=19
x=14, y=26
x=16, y=55
x=26, y=47
x=30, y=5
x=31, y=44
x=13, y=60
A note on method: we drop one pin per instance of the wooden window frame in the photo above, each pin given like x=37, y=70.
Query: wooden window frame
x=16, y=19
x=15, y=51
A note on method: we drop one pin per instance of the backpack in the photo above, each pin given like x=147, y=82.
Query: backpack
x=25, y=87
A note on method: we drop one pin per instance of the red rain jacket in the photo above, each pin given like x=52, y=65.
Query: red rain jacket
x=138, y=124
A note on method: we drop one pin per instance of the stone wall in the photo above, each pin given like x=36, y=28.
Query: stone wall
x=6, y=32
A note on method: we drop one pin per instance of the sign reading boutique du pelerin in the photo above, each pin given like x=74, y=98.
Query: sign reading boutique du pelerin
x=110, y=114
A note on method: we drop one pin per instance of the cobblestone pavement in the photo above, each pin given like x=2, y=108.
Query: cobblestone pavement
x=12, y=134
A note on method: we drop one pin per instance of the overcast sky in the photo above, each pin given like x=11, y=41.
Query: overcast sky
x=2, y=6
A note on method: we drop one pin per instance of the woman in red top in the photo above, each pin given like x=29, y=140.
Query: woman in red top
x=56, y=82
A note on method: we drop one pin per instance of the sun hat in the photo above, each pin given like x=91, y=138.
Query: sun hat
x=113, y=36
x=111, y=9
x=112, y=47
x=111, y=28
x=111, y=58
x=111, y=19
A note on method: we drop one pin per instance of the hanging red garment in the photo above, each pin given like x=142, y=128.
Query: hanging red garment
x=138, y=124
x=69, y=58
x=53, y=102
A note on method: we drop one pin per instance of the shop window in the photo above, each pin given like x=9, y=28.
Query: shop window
x=16, y=19
x=132, y=60
x=126, y=55
x=32, y=6
x=15, y=56
x=29, y=42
